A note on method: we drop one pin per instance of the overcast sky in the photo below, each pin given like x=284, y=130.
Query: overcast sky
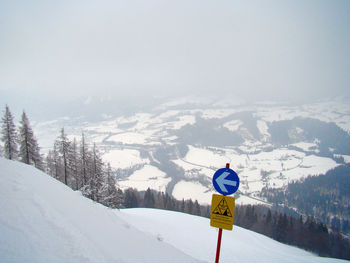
x=256, y=49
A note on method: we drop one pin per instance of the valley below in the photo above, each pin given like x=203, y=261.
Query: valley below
x=176, y=146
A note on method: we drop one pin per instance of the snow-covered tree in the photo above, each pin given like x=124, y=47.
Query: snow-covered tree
x=111, y=196
x=57, y=163
x=50, y=164
x=54, y=164
x=84, y=160
x=97, y=178
x=74, y=160
x=63, y=145
x=9, y=135
x=29, y=151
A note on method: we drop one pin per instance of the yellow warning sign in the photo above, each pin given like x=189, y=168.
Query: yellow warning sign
x=222, y=211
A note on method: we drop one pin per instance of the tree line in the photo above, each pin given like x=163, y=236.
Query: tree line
x=73, y=163
x=160, y=200
x=301, y=231
x=326, y=197
x=28, y=150
x=80, y=167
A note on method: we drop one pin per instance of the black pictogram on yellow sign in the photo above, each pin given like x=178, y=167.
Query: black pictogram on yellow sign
x=222, y=211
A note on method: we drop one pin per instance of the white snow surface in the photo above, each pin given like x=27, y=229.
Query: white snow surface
x=147, y=177
x=129, y=138
x=43, y=220
x=306, y=146
x=233, y=125
x=195, y=237
x=192, y=190
x=124, y=158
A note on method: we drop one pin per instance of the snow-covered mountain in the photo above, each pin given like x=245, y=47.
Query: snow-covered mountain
x=42, y=220
x=177, y=145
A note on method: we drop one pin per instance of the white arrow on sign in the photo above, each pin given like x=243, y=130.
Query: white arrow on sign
x=222, y=181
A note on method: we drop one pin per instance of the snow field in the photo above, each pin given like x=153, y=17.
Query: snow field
x=123, y=159
x=192, y=171
x=130, y=138
x=104, y=127
x=263, y=129
x=336, y=111
x=192, y=190
x=146, y=177
x=216, y=113
x=279, y=167
x=204, y=157
x=305, y=146
x=233, y=125
x=196, y=238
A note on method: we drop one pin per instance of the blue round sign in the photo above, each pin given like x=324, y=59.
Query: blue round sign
x=226, y=181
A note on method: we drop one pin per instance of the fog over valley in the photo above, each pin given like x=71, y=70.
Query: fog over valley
x=57, y=55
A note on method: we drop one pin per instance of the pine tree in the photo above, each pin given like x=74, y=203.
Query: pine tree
x=131, y=198
x=148, y=200
x=112, y=197
x=74, y=159
x=189, y=206
x=38, y=158
x=63, y=146
x=84, y=157
x=196, y=208
x=29, y=151
x=57, y=163
x=50, y=164
x=9, y=135
x=97, y=180
x=25, y=140
x=182, y=205
x=121, y=199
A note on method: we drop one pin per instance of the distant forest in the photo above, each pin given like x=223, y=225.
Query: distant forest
x=80, y=166
x=326, y=197
x=329, y=135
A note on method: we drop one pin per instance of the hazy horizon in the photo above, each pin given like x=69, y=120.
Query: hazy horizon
x=54, y=53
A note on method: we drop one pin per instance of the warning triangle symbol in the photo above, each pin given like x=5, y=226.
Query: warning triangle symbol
x=222, y=209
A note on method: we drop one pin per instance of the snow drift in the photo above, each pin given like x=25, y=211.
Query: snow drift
x=43, y=220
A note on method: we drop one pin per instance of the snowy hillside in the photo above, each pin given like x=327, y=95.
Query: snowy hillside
x=177, y=146
x=42, y=220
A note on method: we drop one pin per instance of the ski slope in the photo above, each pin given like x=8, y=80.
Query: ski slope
x=42, y=220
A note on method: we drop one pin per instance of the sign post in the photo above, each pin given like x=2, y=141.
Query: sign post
x=226, y=182
x=218, y=246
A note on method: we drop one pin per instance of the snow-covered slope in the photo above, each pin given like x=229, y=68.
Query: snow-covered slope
x=42, y=220
x=194, y=236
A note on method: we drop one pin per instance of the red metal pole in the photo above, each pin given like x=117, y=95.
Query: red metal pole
x=218, y=246
x=219, y=236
